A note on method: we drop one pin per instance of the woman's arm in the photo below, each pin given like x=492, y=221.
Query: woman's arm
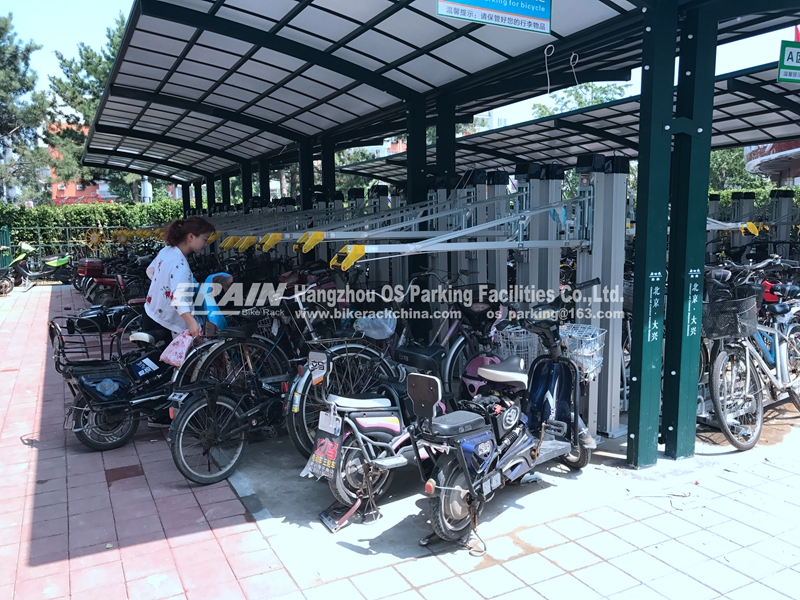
x=194, y=326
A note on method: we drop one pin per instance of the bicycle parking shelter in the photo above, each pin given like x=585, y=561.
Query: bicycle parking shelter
x=204, y=90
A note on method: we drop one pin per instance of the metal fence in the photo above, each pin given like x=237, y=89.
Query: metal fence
x=53, y=240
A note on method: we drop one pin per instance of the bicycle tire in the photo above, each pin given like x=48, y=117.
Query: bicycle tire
x=307, y=401
x=208, y=428
x=740, y=419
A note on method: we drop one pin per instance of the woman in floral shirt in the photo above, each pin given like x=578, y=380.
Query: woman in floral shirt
x=169, y=271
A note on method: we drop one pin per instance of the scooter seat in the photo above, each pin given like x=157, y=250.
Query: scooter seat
x=360, y=401
x=511, y=370
x=457, y=423
x=53, y=257
x=137, y=301
x=106, y=281
x=778, y=309
x=151, y=337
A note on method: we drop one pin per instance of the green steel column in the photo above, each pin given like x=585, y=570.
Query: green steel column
x=226, y=190
x=306, y=175
x=690, y=165
x=446, y=138
x=211, y=194
x=198, y=197
x=263, y=179
x=329, y=169
x=247, y=187
x=658, y=65
x=417, y=189
x=186, y=193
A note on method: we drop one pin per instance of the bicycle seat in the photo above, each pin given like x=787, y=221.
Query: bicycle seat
x=786, y=290
x=778, y=309
x=721, y=275
x=240, y=332
x=360, y=401
x=511, y=370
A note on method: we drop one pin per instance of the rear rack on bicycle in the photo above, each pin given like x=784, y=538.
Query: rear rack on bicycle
x=71, y=346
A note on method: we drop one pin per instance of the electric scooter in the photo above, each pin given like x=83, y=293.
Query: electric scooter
x=56, y=266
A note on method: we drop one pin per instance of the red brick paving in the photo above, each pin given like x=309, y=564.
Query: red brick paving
x=119, y=524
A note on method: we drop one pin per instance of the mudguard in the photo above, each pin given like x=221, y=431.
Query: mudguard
x=551, y=394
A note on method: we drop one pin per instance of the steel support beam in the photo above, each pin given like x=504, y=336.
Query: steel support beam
x=186, y=196
x=198, y=197
x=105, y=167
x=661, y=28
x=445, y=137
x=329, y=168
x=144, y=158
x=759, y=93
x=211, y=193
x=306, y=175
x=417, y=154
x=284, y=45
x=226, y=191
x=205, y=109
x=598, y=133
x=263, y=179
x=247, y=186
x=690, y=164
x=171, y=141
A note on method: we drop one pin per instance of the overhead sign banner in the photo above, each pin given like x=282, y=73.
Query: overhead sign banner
x=530, y=15
x=789, y=68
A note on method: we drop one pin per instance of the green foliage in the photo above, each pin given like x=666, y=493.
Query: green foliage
x=22, y=111
x=77, y=96
x=581, y=96
x=727, y=172
x=84, y=215
x=762, y=195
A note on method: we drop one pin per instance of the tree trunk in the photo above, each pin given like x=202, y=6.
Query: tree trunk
x=283, y=183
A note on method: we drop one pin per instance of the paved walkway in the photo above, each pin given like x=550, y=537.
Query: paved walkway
x=74, y=523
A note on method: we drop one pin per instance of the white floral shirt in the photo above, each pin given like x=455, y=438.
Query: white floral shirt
x=168, y=270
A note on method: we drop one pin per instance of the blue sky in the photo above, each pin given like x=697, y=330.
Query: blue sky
x=61, y=25
x=88, y=19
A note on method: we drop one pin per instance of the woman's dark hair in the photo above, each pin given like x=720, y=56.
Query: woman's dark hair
x=179, y=228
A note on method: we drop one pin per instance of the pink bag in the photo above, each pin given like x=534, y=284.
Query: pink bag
x=175, y=353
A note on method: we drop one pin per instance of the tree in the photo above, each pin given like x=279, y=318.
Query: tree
x=461, y=129
x=22, y=111
x=77, y=95
x=579, y=96
x=728, y=172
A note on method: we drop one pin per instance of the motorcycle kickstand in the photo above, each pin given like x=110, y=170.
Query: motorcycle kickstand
x=334, y=526
x=371, y=511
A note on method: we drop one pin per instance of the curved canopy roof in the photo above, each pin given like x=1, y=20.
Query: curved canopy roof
x=201, y=86
x=749, y=108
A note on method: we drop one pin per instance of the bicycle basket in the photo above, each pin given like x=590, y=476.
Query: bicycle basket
x=585, y=346
x=516, y=341
x=730, y=318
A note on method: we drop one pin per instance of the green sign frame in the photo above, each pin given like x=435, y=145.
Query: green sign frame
x=789, y=65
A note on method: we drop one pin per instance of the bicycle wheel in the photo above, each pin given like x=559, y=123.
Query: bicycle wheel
x=793, y=361
x=354, y=369
x=348, y=477
x=455, y=364
x=736, y=395
x=207, y=439
x=451, y=509
x=228, y=363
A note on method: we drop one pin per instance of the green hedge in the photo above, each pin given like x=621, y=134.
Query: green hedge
x=762, y=195
x=85, y=215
